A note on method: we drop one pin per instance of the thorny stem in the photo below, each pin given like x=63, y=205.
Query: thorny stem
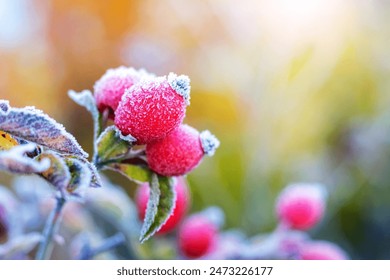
x=109, y=244
x=50, y=229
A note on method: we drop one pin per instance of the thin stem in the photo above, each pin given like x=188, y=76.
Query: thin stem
x=109, y=244
x=50, y=229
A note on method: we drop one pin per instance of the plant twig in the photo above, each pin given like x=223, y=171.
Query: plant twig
x=50, y=229
x=109, y=244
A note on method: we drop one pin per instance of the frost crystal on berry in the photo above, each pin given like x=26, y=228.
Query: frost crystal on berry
x=181, y=84
x=209, y=142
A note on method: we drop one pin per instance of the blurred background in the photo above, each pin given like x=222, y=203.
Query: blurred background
x=296, y=90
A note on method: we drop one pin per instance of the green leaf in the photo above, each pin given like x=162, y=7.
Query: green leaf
x=160, y=206
x=111, y=145
x=81, y=177
x=57, y=174
x=34, y=126
x=16, y=161
x=86, y=99
x=96, y=181
x=136, y=173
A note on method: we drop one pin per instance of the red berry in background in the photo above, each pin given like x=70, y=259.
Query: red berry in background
x=301, y=206
x=197, y=236
x=322, y=250
x=181, y=204
x=108, y=90
x=154, y=107
x=181, y=151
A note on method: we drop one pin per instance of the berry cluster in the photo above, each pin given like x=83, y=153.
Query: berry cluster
x=299, y=207
x=151, y=110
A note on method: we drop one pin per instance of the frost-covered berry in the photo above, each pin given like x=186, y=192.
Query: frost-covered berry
x=108, y=90
x=301, y=206
x=153, y=108
x=197, y=236
x=322, y=250
x=180, y=208
x=181, y=151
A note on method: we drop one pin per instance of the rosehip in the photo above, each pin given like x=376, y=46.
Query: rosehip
x=322, y=250
x=181, y=205
x=301, y=206
x=108, y=90
x=154, y=107
x=197, y=236
x=181, y=151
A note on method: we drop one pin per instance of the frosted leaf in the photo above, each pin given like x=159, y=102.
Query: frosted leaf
x=160, y=205
x=136, y=173
x=181, y=84
x=209, y=142
x=96, y=181
x=81, y=177
x=110, y=145
x=15, y=160
x=58, y=174
x=127, y=138
x=22, y=244
x=33, y=125
x=7, y=141
x=86, y=99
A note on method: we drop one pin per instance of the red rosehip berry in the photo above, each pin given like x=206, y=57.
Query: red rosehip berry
x=154, y=107
x=322, y=250
x=181, y=151
x=197, y=236
x=108, y=90
x=181, y=204
x=301, y=206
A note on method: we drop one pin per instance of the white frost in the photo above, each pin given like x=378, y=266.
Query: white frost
x=181, y=84
x=209, y=142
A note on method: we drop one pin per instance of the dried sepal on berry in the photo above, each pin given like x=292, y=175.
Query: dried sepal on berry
x=181, y=84
x=154, y=107
x=181, y=151
x=209, y=142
